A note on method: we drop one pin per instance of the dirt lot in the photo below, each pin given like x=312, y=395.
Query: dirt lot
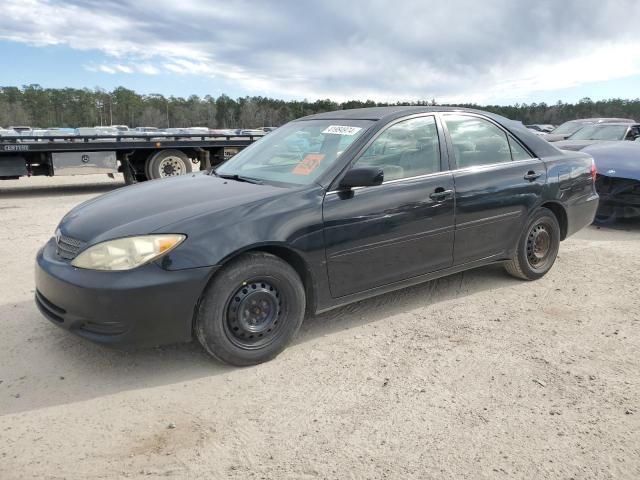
x=474, y=376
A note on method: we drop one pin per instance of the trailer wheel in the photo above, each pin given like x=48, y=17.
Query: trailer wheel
x=167, y=163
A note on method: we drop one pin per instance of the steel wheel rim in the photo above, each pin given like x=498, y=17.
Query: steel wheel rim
x=253, y=315
x=539, y=245
x=171, y=167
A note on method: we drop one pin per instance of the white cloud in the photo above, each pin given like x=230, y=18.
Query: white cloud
x=113, y=68
x=183, y=66
x=123, y=68
x=148, y=69
x=105, y=69
x=461, y=50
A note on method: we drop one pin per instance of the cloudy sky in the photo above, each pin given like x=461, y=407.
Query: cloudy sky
x=490, y=51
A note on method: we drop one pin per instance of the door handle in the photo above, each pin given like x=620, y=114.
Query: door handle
x=440, y=194
x=531, y=175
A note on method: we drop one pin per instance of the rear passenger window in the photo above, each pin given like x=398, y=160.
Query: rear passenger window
x=407, y=149
x=517, y=152
x=477, y=141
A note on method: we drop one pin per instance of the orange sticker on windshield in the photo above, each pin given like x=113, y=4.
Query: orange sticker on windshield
x=308, y=164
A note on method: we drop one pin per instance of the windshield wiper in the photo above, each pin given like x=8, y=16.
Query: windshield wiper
x=237, y=178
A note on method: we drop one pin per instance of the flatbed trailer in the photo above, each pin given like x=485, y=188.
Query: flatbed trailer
x=138, y=157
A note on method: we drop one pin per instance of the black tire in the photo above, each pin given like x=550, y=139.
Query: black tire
x=167, y=163
x=251, y=310
x=537, y=247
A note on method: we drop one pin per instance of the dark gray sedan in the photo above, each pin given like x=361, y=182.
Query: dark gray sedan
x=324, y=211
x=598, y=133
x=567, y=129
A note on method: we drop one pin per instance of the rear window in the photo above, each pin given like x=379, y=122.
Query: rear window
x=517, y=151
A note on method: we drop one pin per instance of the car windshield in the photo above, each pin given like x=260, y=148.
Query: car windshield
x=600, y=132
x=567, y=128
x=297, y=153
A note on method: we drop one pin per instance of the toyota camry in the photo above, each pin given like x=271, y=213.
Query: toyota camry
x=326, y=210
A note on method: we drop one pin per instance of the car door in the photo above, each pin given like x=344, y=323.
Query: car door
x=378, y=235
x=498, y=181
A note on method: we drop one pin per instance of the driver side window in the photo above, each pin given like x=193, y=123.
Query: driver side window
x=407, y=149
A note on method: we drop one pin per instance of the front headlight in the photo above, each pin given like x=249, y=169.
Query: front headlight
x=127, y=253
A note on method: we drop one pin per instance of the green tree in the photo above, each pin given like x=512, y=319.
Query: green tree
x=71, y=107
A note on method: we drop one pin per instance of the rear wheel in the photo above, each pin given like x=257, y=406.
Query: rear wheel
x=251, y=310
x=537, y=247
x=168, y=163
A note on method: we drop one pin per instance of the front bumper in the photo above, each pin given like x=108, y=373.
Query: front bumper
x=618, y=196
x=147, y=306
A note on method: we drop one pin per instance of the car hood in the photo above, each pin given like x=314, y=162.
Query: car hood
x=143, y=208
x=616, y=159
x=575, y=145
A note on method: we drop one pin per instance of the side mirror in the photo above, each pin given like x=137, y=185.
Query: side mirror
x=362, y=177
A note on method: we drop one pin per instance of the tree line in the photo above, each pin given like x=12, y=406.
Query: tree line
x=41, y=107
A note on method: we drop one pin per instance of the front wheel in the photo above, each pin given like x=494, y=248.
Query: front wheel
x=537, y=247
x=251, y=310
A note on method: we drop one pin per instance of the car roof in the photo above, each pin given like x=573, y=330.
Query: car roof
x=382, y=113
x=608, y=124
x=603, y=120
x=624, y=124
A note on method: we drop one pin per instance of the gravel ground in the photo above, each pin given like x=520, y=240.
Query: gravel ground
x=473, y=376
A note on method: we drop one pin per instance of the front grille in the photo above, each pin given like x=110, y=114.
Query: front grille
x=619, y=189
x=67, y=247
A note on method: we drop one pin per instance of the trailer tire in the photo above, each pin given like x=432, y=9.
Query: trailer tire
x=167, y=163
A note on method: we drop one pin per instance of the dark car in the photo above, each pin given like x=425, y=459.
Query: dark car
x=324, y=211
x=601, y=132
x=618, y=180
x=567, y=129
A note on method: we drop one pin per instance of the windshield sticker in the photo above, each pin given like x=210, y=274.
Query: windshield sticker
x=341, y=130
x=308, y=164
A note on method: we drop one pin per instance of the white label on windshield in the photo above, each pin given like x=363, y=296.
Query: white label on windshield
x=342, y=130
